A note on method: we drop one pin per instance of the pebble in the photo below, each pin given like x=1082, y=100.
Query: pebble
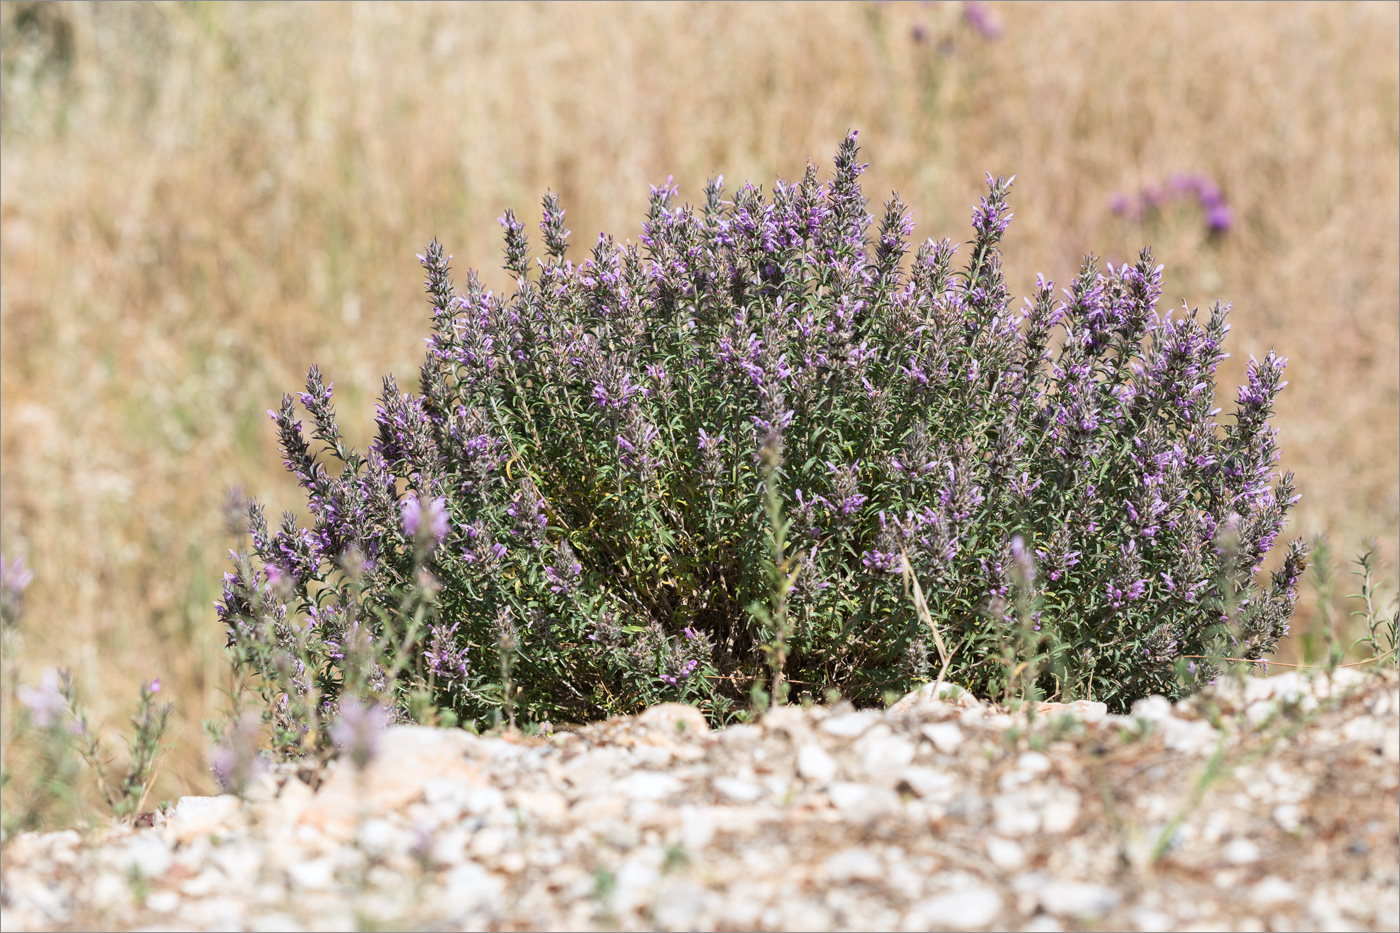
x=945, y=736
x=1076, y=899
x=971, y=909
x=943, y=812
x=814, y=764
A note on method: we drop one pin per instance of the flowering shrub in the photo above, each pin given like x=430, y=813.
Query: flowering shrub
x=721, y=460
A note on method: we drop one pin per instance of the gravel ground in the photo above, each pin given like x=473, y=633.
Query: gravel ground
x=1263, y=804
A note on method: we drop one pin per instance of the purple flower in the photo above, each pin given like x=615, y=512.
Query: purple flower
x=358, y=729
x=14, y=580
x=235, y=760
x=881, y=561
x=14, y=576
x=981, y=19
x=446, y=658
x=564, y=574
x=45, y=704
x=434, y=532
x=1219, y=218
x=991, y=217
x=1022, y=560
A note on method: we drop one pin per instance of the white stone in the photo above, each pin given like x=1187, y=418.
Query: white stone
x=883, y=754
x=1006, y=854
x=934, y=693
x=800, y=914
x=1050, y=808
x=481, y=801
x=450, y=846
x=792, y=720
x=407, y=758
x=930, y=783
x=202, y=816
x=675, y=720
x=736, y=790
x=1260, y=712
x=697, y=827
x=740, y=734
x=972, y=908
x=1272, y=891
x=1241, y=852
x=312, y=874
x=1191, y=737
x=215, y=913
x=1326, y=914
x=1014, y=815
x=853, y=865
x=469, y=888
x=648, y=785
x=815, y=765
x=1088, y=711
x=1076, y=898
x=679, y=905
x=545, y=805
x=850, y=725
x=162, y=902
x=945, y=736
x=146, y=853
x=1366, y=730
x=862, y=802
x=1153, y=709
x=1060, y=811
x=1288, y=816
x=488, y=842
x=110, y=892
x=636, y=880
x=378, y=836
x=1042, y=923
x=1148, y=920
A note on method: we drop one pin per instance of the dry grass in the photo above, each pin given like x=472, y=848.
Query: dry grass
x=199, y=201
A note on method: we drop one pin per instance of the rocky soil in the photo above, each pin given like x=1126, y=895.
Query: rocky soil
x=1264, y=804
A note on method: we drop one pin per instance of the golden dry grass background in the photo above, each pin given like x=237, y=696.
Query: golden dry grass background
x=199, y=201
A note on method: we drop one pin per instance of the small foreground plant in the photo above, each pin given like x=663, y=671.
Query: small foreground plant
x=707, y=467
x=50, y=732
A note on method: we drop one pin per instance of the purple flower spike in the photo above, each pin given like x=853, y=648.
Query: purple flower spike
x=1220, y=219
x=358, y=730
x=434, y=531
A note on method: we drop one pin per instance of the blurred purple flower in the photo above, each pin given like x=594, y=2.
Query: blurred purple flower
x=45, y=704
x=437, y=526
x=1219, y=218
x=982, y=19
x=14, y=576
x=14, y=579
x=358, y=730
x=235, y=760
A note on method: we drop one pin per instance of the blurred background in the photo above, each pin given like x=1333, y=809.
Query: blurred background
x=201, y=200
